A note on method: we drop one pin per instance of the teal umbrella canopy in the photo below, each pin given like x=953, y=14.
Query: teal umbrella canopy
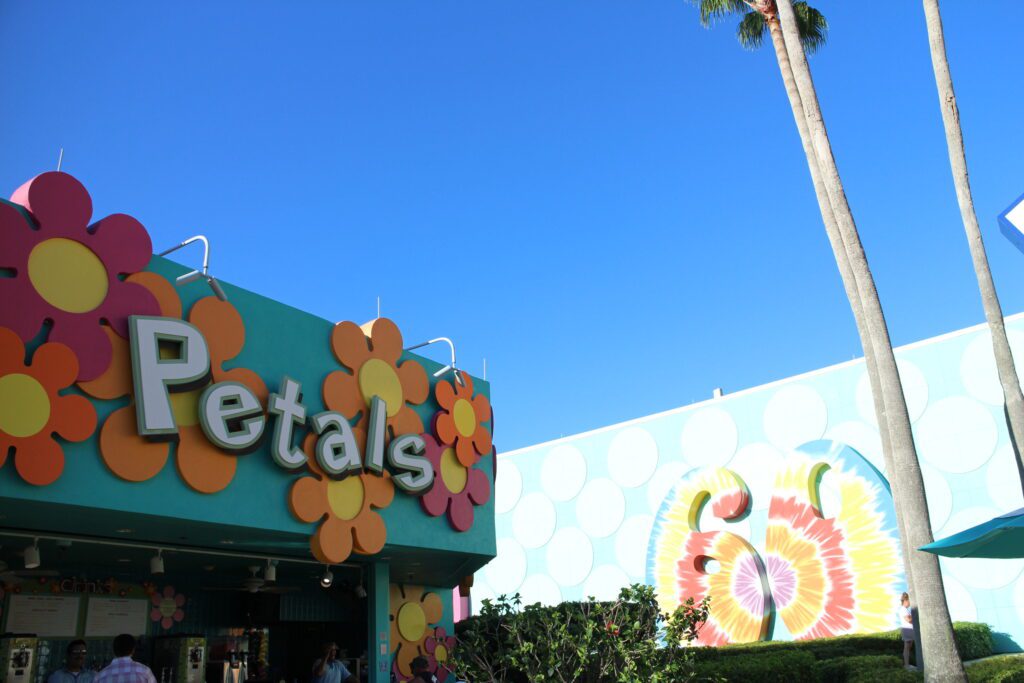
x=1000, y=538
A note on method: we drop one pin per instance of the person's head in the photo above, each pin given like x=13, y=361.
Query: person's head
x=420, y=665
x=330, y=650
x=124, y=645
x=905, y=599
x=76, y=654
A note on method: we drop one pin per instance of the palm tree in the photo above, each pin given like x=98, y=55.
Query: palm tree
x=942, y=661
x=758, y=19
x=1012, y=397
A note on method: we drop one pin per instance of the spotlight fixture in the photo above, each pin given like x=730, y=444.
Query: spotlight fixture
x=360, y=591
x=448, y=368
x=195, y=274
x=270, y=573
x=327, y=579
x=156, y=563
x=32, y=555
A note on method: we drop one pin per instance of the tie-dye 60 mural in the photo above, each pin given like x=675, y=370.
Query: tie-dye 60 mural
x=818, y=575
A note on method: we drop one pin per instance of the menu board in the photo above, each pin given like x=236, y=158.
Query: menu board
x=114, y=616
x=47, y=616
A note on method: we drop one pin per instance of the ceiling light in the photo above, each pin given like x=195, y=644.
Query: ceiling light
x=360, y=591
x=327, y=579
x=123, y=559
x=196, y=274
x=156, y=563
x=32, y=555
x=227, y=541
x=270, y=573
x=124, y=531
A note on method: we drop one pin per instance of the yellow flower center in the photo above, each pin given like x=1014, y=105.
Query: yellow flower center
x=24, y=405
x=378, y=378
x=346, y=497
x=465, y=417
x=412, y=622
x=68, y=275
x=453, y=473
x=441, y=653
x=168, y=607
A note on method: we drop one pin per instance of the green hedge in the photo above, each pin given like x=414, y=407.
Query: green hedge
x=1008, y=669
x=864, y=668
x=770, y=667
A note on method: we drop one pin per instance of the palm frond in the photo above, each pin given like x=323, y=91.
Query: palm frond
x=751, y=30
x=713, y=10
x=812, y=25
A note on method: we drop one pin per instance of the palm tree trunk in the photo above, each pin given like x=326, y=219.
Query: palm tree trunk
x=1012, y=396
x=835, y=238
x=940, y=654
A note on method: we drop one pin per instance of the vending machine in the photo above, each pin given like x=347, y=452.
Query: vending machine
x=179, y=659
x=18, y=658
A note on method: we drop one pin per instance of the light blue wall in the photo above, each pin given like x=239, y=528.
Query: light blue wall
x=574, y=515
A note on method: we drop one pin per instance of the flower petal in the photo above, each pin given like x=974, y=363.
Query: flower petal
x=204, y=467
x=341, y=394
x=127, y=454
x=39, y=460
x=17, y=238
x=415, y=386
x=482, y=440
x=465, y=389
x=385, y=340
x=406, y=422
x=482, y=408
x=308, y=499
x=23, y=311
x=116, y=380
x=125, y=299
x=465, y=453
x=445, y=394
x=55, y=365
x=167, y=622
x=403, y=659
x=121, y=243
x=460, y=512
x=435, y=501
x=248, y=378
x=349, y=345
x=432, y=607
x=444, y=427
x=56, y=200
x=332, y=542
x=74, y=418
x=89, y=342
x=370, y=533
x=222, y=327
x=162, y=290
x=380, y=491
x=12, y=352
x=478, y=488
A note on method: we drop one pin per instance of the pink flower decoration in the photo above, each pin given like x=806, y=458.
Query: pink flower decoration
x=167, y=607
x=67, y=271
x=439, y=649
x=457, y=489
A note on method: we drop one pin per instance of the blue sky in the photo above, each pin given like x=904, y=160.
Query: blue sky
x=605, y=200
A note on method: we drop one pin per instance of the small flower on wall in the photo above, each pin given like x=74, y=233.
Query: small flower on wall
x=413, y=616
x=439, y=648
x=167, y=607
x=32, y=410
x=347, y=508
x=68, y=272
x=371, y=353
x=457, y=488
x=461, y=420
x=203, y=466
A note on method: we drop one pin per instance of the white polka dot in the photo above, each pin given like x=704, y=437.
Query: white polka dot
x=861, y=438
x=663, y=481
x=1018, y=599
x=956, y=434
x=600, y=508
x=631, y=545
x=508, y=488
x=795, y=415
x=915, y=391
x=605, y=582
x=979, y=573
x=480, y=592
x=505, y=572
x=1003, y=480
x=961, y=604
x=540, y=588
x=940, y=498
x=632, y=457
x=563, y=473
x=709, y=438
x=533, y=521
x=570, y=556
x=978, y=366
x=756, y=464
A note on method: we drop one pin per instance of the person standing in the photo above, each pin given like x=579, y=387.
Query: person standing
x=124, y=669
x=421, y=671
x=906, y=622
x=328, y=669
x=74, y=670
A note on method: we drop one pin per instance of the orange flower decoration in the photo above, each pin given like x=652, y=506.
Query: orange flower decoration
x=461, y=420
x=414, y=614
x=371, y=354
x=203, y=466
x=346, y=506
x=31, y=410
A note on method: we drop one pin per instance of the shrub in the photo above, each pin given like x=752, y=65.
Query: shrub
x=861, y=668
x=1007, y=669
x=767, y=667
x=974, y=641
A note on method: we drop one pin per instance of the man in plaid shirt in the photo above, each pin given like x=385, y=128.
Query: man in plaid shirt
x=124, y=669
